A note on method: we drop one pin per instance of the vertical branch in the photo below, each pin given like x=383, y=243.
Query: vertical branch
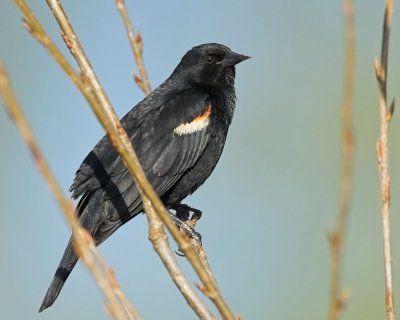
x=160, y=243
x=382, y=151
x=338, y=298
x=155, y=227
x=137, y=48
x=83, y=242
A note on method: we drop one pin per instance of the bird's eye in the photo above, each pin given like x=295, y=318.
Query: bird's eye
x=210, y=59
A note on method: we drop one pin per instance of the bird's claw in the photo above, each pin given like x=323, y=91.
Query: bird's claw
x=194, y=235
x=181, y=219
x=179, y=252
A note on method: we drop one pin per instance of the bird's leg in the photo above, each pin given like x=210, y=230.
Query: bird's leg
x=186, y=222
x=183, y=212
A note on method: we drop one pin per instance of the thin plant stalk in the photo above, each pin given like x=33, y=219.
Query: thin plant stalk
x=136, y=43
x=382, y=151
x=338, y=298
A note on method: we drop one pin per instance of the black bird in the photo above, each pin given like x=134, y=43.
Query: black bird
x=178, y=132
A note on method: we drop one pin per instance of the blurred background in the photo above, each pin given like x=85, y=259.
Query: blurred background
x=274, y=194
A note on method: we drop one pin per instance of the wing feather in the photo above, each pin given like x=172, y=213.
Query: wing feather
x=164, y=155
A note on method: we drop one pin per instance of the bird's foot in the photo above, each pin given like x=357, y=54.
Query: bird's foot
x=185, y=226
x=186, y=222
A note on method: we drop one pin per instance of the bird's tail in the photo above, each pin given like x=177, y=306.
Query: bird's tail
x=67, y=263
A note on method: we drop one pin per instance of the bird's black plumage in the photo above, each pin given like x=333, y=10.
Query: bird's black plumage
x=178, y=133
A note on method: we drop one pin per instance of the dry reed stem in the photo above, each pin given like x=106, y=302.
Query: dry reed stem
x=137, y=49
x=382, y=150
x=338, y=299
x=103, y=110
x=160, y=244
x=83, y=241
x=199, y=248
x=156, y=232
x=136, y=42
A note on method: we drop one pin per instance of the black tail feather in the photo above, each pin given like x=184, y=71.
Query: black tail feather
x=67, y=263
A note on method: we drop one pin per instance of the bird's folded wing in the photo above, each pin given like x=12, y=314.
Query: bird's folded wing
x=168, y=140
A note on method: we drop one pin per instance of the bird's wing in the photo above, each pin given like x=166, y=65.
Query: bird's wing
x=171, y=142
x=93, y=172
x=168, y=141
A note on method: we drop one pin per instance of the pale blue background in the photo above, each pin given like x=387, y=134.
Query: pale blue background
x=273, y=197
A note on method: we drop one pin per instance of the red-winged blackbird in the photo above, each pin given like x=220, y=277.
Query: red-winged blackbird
x=178, y=132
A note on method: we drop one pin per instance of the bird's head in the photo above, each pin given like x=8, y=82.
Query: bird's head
x=209, y=65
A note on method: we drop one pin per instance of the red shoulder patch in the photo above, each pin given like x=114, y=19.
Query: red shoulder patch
x=197, y=124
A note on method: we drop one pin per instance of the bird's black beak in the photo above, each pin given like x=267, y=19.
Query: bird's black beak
x=233, y=58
